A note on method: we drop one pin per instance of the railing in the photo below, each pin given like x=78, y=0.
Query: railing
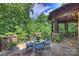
x=58, y=37
x=68, y=35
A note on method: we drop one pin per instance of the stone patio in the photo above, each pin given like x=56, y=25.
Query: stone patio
x=66, y=48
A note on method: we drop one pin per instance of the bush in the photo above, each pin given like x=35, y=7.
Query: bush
x=57, y=38
x=9, y=33
x=21, y=34
x=11, y=44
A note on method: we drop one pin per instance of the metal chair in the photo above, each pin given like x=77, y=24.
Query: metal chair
x=47, y=44
x=29, y=47
x=39, y=48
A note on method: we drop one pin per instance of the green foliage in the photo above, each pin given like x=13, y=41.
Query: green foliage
x=15, y=20
x=13, y=15
x=41, y=24
x=57, y=38
x=9, y=33
x=20, y=32
x=72, y=27
x=44, y=26
x=61, y=28
x=11, y=44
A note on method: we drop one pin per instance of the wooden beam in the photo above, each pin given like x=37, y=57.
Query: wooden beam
x=65, y=9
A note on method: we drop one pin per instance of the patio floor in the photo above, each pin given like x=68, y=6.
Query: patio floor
x=66, y=48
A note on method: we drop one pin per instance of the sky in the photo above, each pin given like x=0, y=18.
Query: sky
x=45, y=8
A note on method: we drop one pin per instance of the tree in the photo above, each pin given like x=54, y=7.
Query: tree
x=15, y=18
x=12, y=15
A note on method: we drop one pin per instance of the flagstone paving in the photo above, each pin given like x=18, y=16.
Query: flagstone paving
x=65, y=48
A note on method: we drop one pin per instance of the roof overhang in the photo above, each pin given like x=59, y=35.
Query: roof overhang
x=67, y=12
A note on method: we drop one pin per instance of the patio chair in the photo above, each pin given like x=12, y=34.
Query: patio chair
x=29, y=46
x=47, y=44
x=39, y=48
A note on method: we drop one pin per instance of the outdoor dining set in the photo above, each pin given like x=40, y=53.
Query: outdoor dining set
x=38, y=47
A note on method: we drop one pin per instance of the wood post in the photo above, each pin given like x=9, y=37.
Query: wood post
x=78, y=28
x=52, y=26
x=66, y=28
x=0, y=45
x=51, y=29
x=78, y=35
x=56, y=26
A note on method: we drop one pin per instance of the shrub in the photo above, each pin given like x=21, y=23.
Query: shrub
x=20, y=33
x=9, y=33
x=11, y=44
x=57, y=38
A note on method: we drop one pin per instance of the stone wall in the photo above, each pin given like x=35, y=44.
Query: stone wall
x=17, y=50
x=5, y=40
